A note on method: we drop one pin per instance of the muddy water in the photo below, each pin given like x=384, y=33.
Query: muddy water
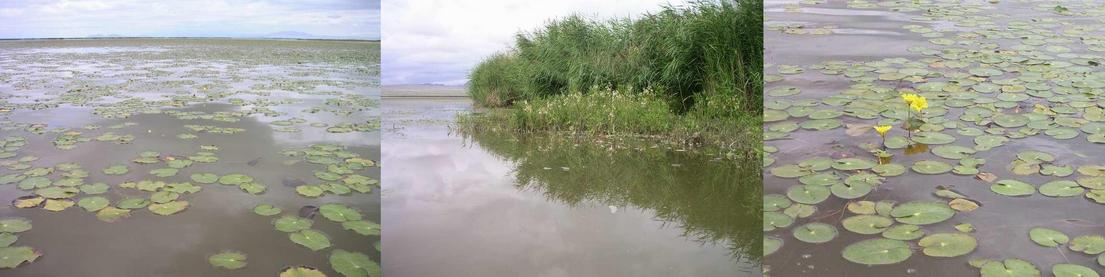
x=495, y=204
x=92, y=87
x=1001, y=224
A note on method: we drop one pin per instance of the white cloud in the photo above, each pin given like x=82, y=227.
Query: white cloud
x=439, y=41
x=65, y=18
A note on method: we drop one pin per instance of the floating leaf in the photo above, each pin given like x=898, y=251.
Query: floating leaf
x=1089, y=244
x=771, y=245
x=1009, y=268
x=1061, y=188
x=877, y=252
x=164, y=172
x=362, y=227
x=947, y=244
x=57, y=205
x=903, y=232
x=867, y=224
x=353, y=264
x=292, y=223
x=266, y=210
x=169, y=208
x=1072, y=270
x=815, y=232
x=93, y=203
x=339, y=213
x=931, y=167
x=133, y=203
x=228, y=260
x=309, y=191
x=234, y=179
x=14, y=225
x=11, y=257
x=301, y=271
x=30, y=201
x=963, y=205
x=205, y=178
x=1047, y=237
x=112, y=214
x=774, y=220
x=311, y=239
x=853, y=164
x=808, y=194
x=922, y=213
x=1013, y=188
x=118, y=169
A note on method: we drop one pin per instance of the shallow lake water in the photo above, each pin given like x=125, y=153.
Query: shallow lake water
x=140, y=121
x=1013, y=95
x=491, y=203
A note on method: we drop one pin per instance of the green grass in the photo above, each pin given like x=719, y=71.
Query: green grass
x=680, y=68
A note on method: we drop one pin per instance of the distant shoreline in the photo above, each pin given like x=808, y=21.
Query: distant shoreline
x=423, y=91
x=235, y=38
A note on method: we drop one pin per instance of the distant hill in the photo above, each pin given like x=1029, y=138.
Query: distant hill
x=301, y=35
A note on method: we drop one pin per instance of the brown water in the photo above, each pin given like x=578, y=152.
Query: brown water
x=84, y=82
x=1001, y=224
x=497, y=204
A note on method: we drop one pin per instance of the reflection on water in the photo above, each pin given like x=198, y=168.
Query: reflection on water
x=550, y=206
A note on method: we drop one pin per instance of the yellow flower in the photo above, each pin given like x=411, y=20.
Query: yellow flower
x=882, y=129
x=919, y=103
x=909, y=98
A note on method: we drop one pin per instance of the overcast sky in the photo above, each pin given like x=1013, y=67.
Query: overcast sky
x=439, y=41
x=63, y=18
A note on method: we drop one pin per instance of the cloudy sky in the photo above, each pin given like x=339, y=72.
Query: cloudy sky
x=236, y=18
x=439, y=41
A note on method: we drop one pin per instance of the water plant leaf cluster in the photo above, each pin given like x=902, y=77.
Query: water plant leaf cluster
x=1011, y=115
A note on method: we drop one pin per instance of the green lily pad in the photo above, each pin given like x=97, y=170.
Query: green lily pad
x=775, y=202
x=933, y=138
x=789, y=171
x=169, y=208
x=252, y=188
x=931, y=167
x=808, y=194
x=205, y=178
x=815, y=232
x=877, y=252
x=867, y=224
x=164, y=172
x=309, y=191
x=1012, y=188
x=93, y=203
x=353, y=264
x=1061, y=188
x=1072, y=270
x=12, y=257
x=301, y=271
x=14, y=225
x=362, y=227
x=311, y=239
x=953, y=151
x=118, y=169
x=1047, y=237
x=234, y=179
x=1089, y=244
x=292, y=224
x=133, y=203
x=775, y=220
x=853, y=164
x=1009, y=268
x=112, y=214
x=339, y=213
x=266, y=210
x=922, y=213
x=228, y=260
x=947, y=244
x=903, y=232
x=850, y=191
x=771, y=245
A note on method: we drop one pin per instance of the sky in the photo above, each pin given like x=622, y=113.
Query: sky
x=357, y=19
x=439, y=41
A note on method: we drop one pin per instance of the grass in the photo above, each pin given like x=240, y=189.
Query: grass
x=682, y=70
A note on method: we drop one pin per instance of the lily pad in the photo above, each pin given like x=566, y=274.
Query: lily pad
x=1089, y=244
x=1047, y=237
x=353, y=264
x=93, y=203
x=903, y=232
x=1061, y=188
x=922, y=213
x=815, y=232
x=1013, y=188
x=867, y=224
x=1009, y=268
x=311, y=239
x=362, y=227
x=118, y=169
x=14, y=225
x=205, y=178
x=339, y=213
x=266, y=210
x=808, y=194
x=301, y=271
x=947, y=244
x=877, y=252
x=853, y=164
x=1072, y=270
x=931, y=167
x=12, y=257
x=169, y=208
x=234, y=179
x=112, y=214
x=228, y=260
x=292, y=224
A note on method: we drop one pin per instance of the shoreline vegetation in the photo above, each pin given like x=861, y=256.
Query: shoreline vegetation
x=688, y=75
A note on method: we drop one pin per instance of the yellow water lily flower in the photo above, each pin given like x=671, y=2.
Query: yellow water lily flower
x=919, y=103
x=882, y=129
x=909, y=98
